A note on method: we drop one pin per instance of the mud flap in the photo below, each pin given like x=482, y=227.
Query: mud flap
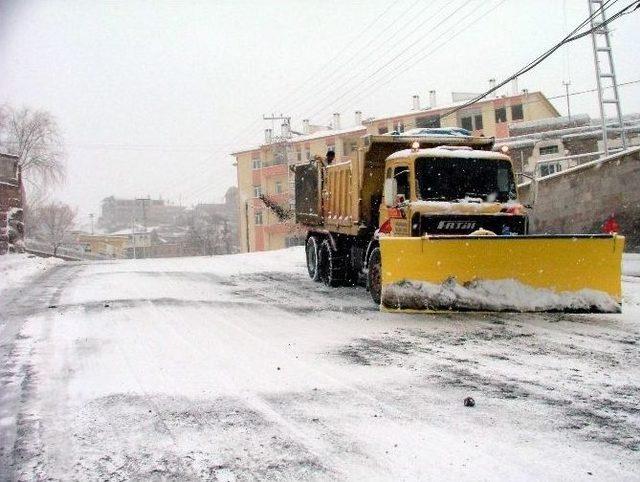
x=569, y=273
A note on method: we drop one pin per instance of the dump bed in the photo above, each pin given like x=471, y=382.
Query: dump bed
x=345, y=196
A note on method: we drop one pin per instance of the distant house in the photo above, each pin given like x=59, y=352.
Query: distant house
x=117, y=213
x=11, y=199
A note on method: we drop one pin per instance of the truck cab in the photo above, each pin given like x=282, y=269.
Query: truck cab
x=449, y=190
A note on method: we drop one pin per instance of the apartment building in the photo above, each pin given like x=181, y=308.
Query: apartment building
x=264, y=170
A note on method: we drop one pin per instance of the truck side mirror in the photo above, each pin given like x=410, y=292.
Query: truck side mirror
x=390, y=189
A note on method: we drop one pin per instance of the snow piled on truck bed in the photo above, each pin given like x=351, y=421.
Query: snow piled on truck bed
x=493, y=295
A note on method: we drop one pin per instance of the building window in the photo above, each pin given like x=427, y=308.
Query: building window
x=257, y=191
x=307, y=154
x=546, y=150
x=257, y=218
x=278, y=187
x=331, y=147
x=383, y=130
x=426, y=122
x=471, y=121
x=354, y=146
x=549, y=168
x=299, y=155
x=501, y=115
x=517, y=112
x=256, y=164
x=478, y=120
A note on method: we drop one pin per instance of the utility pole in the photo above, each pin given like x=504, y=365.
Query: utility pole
x=566, y=84
x=133, y=236
x=246, y=216
x=91, y=217
x=603, y=54
x=144, y=210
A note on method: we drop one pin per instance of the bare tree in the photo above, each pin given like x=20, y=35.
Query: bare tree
x=34, y=136
x=55, y=222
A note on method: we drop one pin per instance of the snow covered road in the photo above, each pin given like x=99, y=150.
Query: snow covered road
x=240, y=367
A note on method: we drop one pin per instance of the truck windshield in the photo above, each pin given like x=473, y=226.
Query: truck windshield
x=455, y=179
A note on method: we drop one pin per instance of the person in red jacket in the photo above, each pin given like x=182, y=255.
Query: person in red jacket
x=610, y=225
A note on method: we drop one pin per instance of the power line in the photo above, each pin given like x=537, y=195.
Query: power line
x=403, y=51
x=534, y=63
x=354, y=67
x=314, y=78
x=412, y=62
x=574, y=35
x=201, y=188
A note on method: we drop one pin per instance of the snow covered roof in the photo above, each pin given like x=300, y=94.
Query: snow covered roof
x=454, y=152
x=550, y=123
x=587, y=131
x=371, y=120
x=438, y=109
x=310, y=137
x=437, y=132
x=138, y=229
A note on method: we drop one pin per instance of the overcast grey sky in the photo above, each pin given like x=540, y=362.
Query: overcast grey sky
x=152, y=96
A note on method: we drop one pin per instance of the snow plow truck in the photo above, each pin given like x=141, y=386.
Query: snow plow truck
x=430, y=220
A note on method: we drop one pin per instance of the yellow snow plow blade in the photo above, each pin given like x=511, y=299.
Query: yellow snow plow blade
x=570, y=273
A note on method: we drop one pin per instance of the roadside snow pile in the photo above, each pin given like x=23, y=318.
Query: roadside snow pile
x=631, y=264
x=492, y=295
x=15, y=268
x=288, y=260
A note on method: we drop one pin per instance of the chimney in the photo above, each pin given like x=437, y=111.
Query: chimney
x=432, y=98
x=514, y=86
x=416, y=102
x=336, y=121
x=285, y=130
x=492, y=85
x=305, y=126
x=268, y=136
x=358, y=117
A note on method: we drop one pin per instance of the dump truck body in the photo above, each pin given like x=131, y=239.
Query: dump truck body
x=434, y=222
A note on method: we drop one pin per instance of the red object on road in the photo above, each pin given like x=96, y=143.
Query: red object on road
x=611, y=225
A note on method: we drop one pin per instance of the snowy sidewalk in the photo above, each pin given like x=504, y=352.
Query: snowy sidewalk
x=15, y=269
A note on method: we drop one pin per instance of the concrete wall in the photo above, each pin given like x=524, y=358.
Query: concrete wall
x=11, y=198
x=580, y=199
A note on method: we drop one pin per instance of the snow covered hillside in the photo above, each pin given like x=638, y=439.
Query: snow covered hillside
x=241, y=368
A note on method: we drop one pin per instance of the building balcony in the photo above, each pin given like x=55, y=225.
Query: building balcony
x=269, y=171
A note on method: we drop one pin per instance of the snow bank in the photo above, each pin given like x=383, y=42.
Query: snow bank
x=16, y=268
x=631, y=264
x=492, y=295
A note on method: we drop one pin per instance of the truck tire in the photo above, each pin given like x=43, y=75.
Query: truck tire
x=332, y=267
x=374, y=276
x=312, y=249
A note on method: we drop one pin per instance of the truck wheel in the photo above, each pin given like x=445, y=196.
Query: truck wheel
x=312, y=252
x=374, y=278
x=332, y=269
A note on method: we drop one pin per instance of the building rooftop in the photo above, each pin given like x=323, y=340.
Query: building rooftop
x=426, y=111
x=436, y=109
x=309, y=137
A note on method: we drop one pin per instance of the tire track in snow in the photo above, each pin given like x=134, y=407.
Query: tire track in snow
x=255, y=402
